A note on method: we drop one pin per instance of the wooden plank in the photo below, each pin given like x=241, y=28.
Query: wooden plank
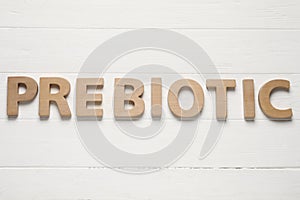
x=261, y=144
x=168, y=184
x=232, y=51
x=166, y=14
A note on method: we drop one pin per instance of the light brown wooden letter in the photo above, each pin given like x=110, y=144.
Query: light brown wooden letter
x=13, y=96
x=221, y=86
x=83, y=98
x=173, y=102
x=156, y=98
x=249, y=103
x=264, y=100
x=59, y=98
x=121, y=98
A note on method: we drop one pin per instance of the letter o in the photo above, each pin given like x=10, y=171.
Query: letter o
x=173, y=101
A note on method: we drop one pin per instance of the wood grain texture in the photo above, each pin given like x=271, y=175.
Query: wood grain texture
x=14, y=98
x=173, y=99
x=156, y=98
x=168, y=184
x=221, y=86
x=122, y=98
x=249, y=99
x=83, y=98
x=46, y=97
x=164, y=14
x=232, y=51
x=259, y=144
x=249, y=39
x=280, y=99
x=265, y=102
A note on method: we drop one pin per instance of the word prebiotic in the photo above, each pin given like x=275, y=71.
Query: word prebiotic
x=121, y=98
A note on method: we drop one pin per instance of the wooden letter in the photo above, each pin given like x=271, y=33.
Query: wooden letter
x=221, y=87
x=121, y=98
x=13, y=96
x=156, y=98
x=46, y=97
x=264, y=99
x=249, y=104
x=82, y=98
x=173, y=102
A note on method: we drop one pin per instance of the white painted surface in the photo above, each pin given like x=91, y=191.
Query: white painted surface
x=245, y=39
x=232, y=51
x=191, y=184
x=156, y=13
